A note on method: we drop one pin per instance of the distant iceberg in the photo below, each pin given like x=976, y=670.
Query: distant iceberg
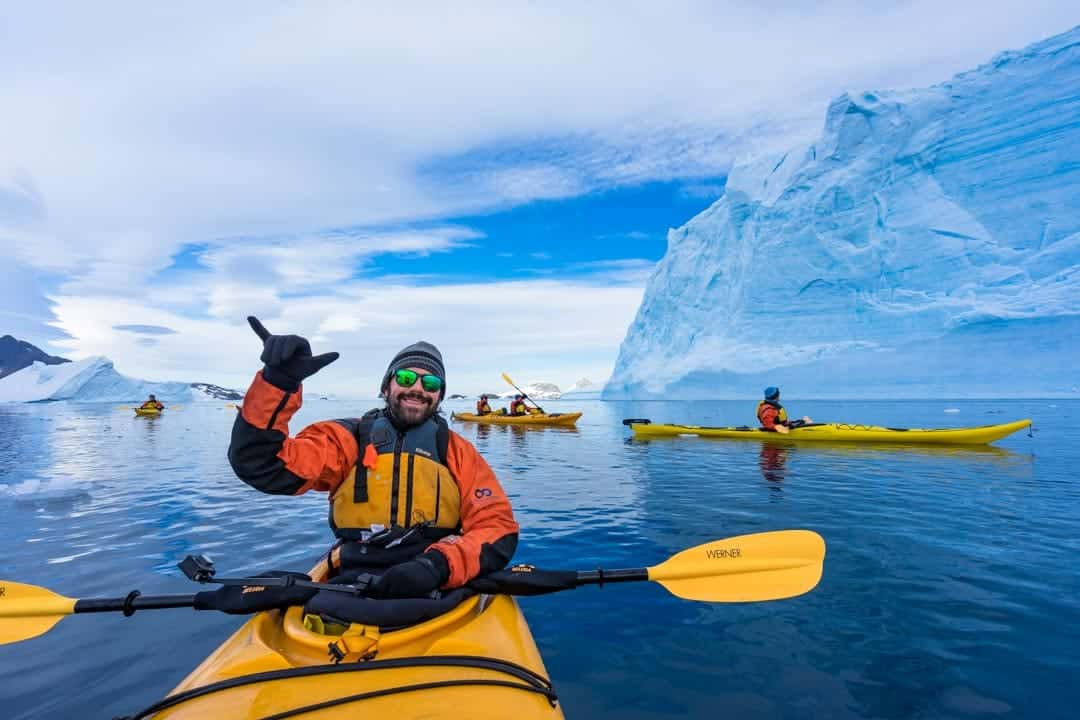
x=96, y=380
x=927, y=244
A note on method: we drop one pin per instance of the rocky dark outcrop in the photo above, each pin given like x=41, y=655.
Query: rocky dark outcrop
x=16, y=354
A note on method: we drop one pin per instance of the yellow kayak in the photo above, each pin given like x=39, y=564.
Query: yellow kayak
x=561, y=419
x=838, y=432
x=147, y=412
x=476, y=661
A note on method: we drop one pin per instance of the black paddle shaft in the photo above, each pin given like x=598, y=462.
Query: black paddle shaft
x=133, y=602
x=602, y=577
x=512, y=581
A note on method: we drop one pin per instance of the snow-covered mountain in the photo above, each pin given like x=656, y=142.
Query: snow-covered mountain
x=206, y=391
x=96, y=380
x=927, y=244
x=584, y=389
x=535, y=390
x=16, y=354
x=540, y=391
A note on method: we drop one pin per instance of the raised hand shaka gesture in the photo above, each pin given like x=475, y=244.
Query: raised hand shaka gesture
x=287, y=359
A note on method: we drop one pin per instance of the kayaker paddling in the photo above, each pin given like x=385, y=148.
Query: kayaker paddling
x=151, y=404
x=772, y=415
x=518, y=406
x=410, y=500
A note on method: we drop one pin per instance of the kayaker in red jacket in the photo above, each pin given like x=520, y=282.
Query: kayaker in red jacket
x=772, y=415
x=518, y=406
x=151, y=404
x=409, y=498
x=482, y=406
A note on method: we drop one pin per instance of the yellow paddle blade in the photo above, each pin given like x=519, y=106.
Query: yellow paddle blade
x=507, y=379
x=746, y=568
x=27, y=611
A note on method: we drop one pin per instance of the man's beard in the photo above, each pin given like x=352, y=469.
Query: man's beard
x=411, y=416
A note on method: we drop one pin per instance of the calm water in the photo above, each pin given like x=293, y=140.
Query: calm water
x=951, y=585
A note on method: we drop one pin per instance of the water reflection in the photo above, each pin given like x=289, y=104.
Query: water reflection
x=772, y=461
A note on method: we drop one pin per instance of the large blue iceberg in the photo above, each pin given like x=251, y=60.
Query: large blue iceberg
x=927, y=244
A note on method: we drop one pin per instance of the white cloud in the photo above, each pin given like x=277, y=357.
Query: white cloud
x=537, y=328
x=136, y=123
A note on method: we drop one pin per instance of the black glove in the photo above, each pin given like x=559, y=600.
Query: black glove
x=288, y=358
x=413, y=579
x=245, y=599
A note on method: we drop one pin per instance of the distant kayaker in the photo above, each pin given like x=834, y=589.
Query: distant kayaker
x=410, y=499
x=482, y=406
x=772, y=415
x=151, y=404
x=518, y=406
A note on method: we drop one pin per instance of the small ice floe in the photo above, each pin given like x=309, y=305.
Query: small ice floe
x=35, y=491
x=952, y=410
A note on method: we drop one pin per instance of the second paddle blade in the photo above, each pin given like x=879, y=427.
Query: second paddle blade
x=746, y=568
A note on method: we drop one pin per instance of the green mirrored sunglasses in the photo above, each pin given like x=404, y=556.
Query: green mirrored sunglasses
x=407, y=378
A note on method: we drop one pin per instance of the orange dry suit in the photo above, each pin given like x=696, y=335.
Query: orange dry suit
x=394, y=492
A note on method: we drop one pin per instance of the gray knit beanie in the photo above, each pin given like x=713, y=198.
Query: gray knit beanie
x=420, y=354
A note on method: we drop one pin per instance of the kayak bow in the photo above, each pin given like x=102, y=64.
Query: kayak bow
x=477, y=661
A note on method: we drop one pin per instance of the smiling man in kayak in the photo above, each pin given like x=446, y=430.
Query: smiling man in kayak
x=410, y=499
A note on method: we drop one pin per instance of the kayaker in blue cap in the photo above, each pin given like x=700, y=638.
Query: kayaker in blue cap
x=772, y=415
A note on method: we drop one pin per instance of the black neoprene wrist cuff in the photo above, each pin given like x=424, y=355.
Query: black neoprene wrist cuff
x=280, y=380
x=438, y=563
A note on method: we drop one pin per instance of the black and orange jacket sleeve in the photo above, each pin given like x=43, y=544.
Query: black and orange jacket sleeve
x=489, y=533
x=264, y=456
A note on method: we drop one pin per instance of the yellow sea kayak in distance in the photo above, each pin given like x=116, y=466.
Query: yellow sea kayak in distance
x=559, y=419
x=837, y=432
x=147, y=412
x=478, y=660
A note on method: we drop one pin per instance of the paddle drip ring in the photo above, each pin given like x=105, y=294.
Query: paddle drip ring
x=129, y=603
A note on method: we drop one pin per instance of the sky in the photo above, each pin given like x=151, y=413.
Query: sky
x=497, y=179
